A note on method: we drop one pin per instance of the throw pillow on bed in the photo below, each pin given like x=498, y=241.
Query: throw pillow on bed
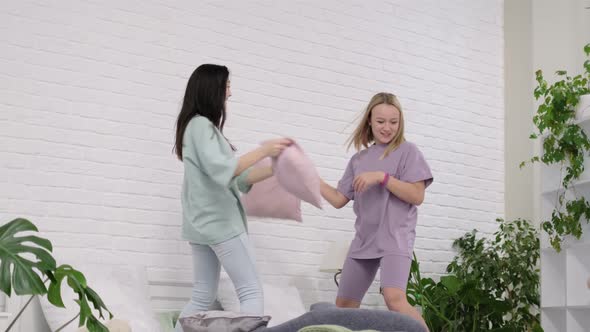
x=281, y=303
x=297, y=174
x=268, y=199
x=226, y=321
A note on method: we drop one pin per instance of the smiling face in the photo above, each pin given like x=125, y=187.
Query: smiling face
x=384, y=122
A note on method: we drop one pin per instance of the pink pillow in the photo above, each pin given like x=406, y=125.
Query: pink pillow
x=297, y=174
x=268, y=199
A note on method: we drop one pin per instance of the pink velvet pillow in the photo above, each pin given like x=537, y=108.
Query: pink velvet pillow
x=297, y=174
x=268, y=199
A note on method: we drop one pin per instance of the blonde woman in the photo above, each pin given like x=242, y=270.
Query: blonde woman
x=386, y=178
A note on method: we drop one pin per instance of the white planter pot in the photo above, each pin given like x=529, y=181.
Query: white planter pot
x=583, y=107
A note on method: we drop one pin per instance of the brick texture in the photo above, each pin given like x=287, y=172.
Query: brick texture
x=89, y=92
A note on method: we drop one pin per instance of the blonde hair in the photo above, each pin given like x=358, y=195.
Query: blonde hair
x=363, y=135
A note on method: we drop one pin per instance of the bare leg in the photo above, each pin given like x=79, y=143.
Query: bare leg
x=395, y=299
x=346, y=303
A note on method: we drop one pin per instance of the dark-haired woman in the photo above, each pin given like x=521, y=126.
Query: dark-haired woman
x=214, y=221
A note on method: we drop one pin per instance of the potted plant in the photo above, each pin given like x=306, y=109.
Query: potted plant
x=492, y=283
x=26, y=266
x=565, y=144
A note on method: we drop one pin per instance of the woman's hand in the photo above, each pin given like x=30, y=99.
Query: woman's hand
x=363, y=181
x=274, y=147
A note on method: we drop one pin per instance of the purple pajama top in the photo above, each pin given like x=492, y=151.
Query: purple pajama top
x=385, y=225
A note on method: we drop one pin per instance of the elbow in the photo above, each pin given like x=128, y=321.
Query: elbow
x=338, y=205
x=418, y=200
x=335, y=204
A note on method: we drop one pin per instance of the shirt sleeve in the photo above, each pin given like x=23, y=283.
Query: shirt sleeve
x=345, y=186
x=214, y=155
x=243, y=185
x=416, y=168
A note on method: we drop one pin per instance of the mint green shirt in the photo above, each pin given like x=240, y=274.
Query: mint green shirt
x=211, y=208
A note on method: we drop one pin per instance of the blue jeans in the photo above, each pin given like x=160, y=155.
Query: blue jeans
x=237, y=258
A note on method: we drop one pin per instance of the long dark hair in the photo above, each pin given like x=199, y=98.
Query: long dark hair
x=204, y=96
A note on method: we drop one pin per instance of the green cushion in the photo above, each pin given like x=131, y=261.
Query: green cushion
x=328, y=328
x=167, y=320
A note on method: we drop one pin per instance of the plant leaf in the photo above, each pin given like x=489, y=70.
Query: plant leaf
x=77, y=282
x=54, y=292
x=452, y=283
x=25, y=277
x=94, y=325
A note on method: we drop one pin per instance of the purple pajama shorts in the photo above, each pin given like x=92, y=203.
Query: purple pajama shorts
x=358, y=274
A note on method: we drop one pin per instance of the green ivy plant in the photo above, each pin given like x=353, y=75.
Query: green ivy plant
x=564, y=143
x=26, y=266
x=492, y=285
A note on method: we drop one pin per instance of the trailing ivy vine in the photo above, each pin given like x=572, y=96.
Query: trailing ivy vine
x=564, y=143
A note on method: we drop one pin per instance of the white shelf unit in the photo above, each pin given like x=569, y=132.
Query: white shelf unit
x=4, y=315
x=565, y=295
x=577, y=320
x=553, y=319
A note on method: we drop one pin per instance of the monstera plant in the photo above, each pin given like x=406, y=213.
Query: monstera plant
x=27, y=266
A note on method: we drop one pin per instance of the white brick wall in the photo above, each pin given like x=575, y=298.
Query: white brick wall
x=89, y=92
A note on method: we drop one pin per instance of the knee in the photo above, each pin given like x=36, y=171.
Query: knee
x=396, y=301
x=346, y=303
